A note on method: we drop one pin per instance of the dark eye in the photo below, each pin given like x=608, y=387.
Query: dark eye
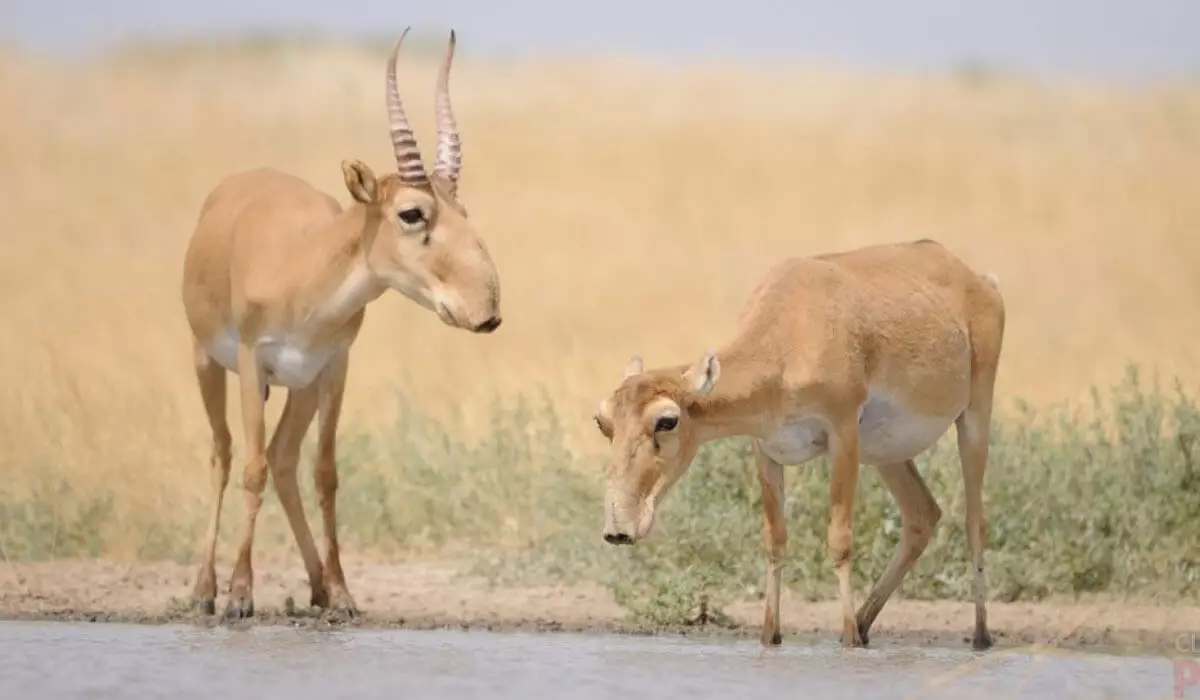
x=666, y=424
x=411, y=216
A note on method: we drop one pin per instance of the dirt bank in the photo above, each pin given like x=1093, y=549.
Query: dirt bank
x=432, y=594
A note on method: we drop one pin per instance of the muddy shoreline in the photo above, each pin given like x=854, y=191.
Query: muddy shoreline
x=436, y=595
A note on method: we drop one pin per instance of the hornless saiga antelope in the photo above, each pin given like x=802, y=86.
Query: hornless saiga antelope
x=867, y=356
x=275, y=284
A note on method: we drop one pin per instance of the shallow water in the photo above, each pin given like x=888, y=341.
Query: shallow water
x=47, y=660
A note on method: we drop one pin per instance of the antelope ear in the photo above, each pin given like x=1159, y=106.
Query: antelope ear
x=603, y=418
x=360, y=181
x=702, y=376
x=634, y=367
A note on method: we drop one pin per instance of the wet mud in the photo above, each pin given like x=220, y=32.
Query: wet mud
x=429, y=595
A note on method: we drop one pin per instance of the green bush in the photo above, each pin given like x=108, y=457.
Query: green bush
x=1108, y=504
x=51, y=521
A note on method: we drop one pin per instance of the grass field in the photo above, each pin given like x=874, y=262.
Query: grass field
x=629, y=208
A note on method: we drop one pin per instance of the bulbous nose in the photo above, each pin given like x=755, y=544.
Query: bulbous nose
x=488, y=326
x=617, y=538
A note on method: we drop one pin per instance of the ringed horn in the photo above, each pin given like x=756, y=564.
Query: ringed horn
x=449, y=146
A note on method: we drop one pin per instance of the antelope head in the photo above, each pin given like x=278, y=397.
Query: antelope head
x=418, y=239
x=653, y=441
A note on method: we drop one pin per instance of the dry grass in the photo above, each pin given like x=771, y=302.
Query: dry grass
x=629, y=209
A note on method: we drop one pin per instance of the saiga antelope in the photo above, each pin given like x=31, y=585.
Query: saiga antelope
x=867, y=356
x=276, y=279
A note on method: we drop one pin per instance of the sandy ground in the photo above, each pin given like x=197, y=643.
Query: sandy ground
x=435, y=594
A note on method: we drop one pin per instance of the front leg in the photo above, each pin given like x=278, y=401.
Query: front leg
x=254, y=480
x=332, y=388
x=770, y=478
x=843, y=485
x=283, y=456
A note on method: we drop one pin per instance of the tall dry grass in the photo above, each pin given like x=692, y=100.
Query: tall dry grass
x=629, y=207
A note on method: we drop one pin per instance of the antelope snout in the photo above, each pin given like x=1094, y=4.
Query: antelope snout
x=616, y=529
x=477, y=311
x=617, y=538
x=488, y=326
x=453, y=314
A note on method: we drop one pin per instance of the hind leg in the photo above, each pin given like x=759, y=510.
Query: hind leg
x=974, y=430
x=974, y=427
x=919, y=514
x=211, y=379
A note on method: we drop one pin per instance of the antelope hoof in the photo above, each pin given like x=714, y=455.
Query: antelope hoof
x=205, y=605
x=240, y=607
x=344, y=606
x=319, y=599
x=864, y=633
x=334, y=598
x=851, y=636
x=982, y=640
x=771, y=639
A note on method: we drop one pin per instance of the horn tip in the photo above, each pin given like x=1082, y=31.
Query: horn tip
x=402, y=35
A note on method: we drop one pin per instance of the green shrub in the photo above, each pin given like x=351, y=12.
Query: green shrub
x=1108, y=504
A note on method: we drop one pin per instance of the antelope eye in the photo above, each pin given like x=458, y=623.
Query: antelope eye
x=411, y=216
x=666, y=424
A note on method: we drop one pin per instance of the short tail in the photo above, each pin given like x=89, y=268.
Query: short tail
x=993, y=280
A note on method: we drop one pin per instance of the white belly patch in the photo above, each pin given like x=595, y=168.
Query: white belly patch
x=797, y=441
x=286, y=362
x=889, y=433
x=223, y=349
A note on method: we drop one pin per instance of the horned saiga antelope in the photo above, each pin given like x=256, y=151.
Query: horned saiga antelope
x=866, y=356
x=276, y=279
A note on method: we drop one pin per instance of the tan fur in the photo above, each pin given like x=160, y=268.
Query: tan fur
x=868, y=356
x=276, y=279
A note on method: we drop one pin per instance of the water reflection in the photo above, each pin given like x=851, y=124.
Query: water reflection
x=61, y=660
